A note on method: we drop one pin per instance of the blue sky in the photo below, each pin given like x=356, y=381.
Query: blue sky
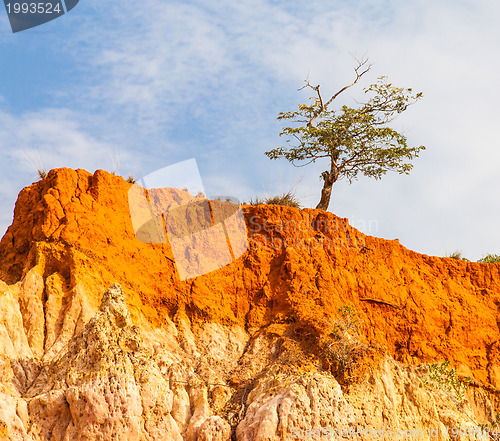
x=134, y=87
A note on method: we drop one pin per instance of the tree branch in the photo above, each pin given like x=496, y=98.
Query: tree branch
x=312, y=159
x=361, y=69
x=361, y=65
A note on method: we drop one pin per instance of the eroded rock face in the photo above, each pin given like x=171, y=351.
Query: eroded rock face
x=282, y=407
x=116, y=380
x=301, y=265
x=229, y=355
x=104, y=384
x=107, y=384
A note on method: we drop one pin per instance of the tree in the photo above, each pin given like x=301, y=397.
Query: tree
x=355, y=140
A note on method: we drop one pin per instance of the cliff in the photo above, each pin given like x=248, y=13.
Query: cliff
x=100, y=339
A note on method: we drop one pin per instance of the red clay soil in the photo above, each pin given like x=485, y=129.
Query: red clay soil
x=300, y=267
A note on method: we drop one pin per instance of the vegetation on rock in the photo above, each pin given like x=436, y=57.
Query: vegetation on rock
x=457, y=255
x=354, y=140
x=42, y=174
x=442, y=376
x=234, y=352
x=288, y=199
x=490, y=258
x=342, y=348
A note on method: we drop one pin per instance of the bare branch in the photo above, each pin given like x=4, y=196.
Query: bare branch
x=298, y=139
x=362, y=68
x=303, y=165
x=313, y=158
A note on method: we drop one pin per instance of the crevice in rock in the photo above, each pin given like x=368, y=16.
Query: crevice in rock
x=44, y=306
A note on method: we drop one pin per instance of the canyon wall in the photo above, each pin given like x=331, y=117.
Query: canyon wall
x=100, y=339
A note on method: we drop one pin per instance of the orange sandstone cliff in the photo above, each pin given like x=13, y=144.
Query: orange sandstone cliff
x=99, y=338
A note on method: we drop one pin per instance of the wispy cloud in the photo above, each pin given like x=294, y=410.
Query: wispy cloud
x=48, y=139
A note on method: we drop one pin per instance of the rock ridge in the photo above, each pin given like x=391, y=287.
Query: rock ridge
x=99, y=339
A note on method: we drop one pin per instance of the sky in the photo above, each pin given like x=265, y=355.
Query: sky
x=132, y=87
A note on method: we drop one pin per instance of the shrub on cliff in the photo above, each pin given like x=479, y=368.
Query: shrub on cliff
x=342, y=348
x=288, y=199
x=256, y=201
x=457, y=255
x=490, y=258
x=442, y=376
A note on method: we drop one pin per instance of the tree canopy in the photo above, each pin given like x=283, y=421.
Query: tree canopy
x=353, y=140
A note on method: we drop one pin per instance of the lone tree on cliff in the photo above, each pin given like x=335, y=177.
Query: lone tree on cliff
x=354, y=140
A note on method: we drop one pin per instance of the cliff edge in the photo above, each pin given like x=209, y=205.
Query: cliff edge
x=100, y=339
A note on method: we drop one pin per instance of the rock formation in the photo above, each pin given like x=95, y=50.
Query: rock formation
x=99, y=339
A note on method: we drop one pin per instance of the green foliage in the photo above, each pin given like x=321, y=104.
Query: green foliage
x=130, y=179
x=457, y=255
x=342, y=348
x=491, y=429
x=490, y=258
x=357, y=139
x=354, y=140
x=444, y=378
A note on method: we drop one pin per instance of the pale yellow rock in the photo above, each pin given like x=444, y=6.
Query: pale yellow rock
x=395, y=398
x=100, y=376
x=12, y=425
x=57, y=298
x=282, y=407
x=214, y=429
x=31, y=303
x=13, y=338
x=199, y=400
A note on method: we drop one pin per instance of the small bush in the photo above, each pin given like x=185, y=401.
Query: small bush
x=342, y=349
x=490, y=258
x=42, y=174
x=131, y=180
x=256, y=201
x=288, y=199
x=457, y=255
x=442, y=377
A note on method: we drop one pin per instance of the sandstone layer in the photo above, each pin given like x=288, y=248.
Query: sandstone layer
x=231, y=354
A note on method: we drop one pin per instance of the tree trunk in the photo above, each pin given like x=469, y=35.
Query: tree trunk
x=326, y=193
